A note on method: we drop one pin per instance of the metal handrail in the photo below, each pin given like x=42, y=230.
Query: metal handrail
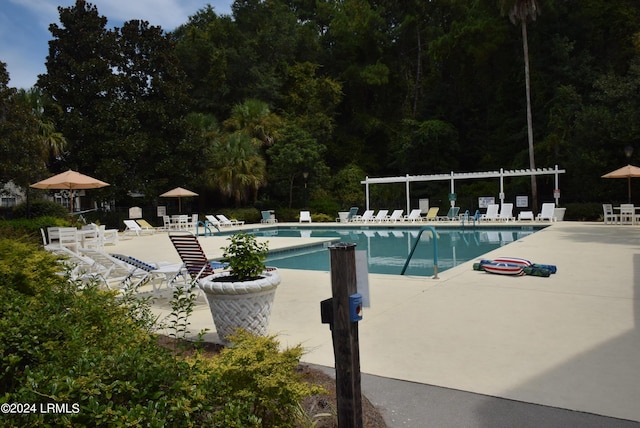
x=435, y=250
x=206, y=225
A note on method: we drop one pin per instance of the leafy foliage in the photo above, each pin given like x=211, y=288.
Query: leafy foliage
x=255, y=376
x=84, y=346
x=389, y=87
x=245, y=256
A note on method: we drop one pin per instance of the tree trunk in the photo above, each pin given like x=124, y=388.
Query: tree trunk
x=532, y=162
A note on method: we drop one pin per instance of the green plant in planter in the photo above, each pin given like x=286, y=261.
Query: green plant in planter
x=245, y=256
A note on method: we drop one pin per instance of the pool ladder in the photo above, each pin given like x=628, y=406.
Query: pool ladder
x=207, y=228
x=435, y=250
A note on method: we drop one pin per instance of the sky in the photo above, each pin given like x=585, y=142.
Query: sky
x=24, y=27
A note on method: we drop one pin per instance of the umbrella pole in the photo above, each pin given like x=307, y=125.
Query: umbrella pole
x=629, y=187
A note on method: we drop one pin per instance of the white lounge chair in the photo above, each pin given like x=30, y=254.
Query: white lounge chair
x=78, y=267
x=492, y=213
x=395, y=216
x=547, y=212
x=305, y=216
x=506, y=212
x=414, y=215
x=159, y=274
x=367, y=216
x=224, y=221
x=115, y=273
x=381, y=216
x=132, y=227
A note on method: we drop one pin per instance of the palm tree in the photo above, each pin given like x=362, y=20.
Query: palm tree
x=254, y=118
x=238, y=169
x=521, y=10
x=52, y=142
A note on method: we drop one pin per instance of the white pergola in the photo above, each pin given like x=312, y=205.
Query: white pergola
x=453, y=176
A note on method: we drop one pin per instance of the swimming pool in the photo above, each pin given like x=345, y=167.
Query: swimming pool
x=388, y=248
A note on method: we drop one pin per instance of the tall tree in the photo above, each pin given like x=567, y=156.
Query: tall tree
x=521, y=11
x=20, y=142
x=122, y=99
x=53, y=143
x=293, y=154
x=237, y=168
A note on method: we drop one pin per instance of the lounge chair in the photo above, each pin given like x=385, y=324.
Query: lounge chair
x=195, y=261
x=212, y=221
x=146, y=227
x=506, y=213
x=78, y=267
x=414, y=215
x=381, y=216
x=395, y=216
x=547, y=212
x=224, y=221
x=366, y=216
x=609, y=216
x=268, y=217
x=432, y=214
x=452, y=214
x=115, y=272
x=133, y=228
x=159, y=274
x=526, y=215
x=305, y=216
x=353, y=213
x=492, y=213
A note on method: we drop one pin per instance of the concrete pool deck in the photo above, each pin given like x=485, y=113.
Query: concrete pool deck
x=570, y=341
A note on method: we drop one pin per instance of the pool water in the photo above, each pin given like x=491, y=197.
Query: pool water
x=387, y=249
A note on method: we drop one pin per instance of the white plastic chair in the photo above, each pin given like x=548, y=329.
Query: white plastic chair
x=547, y=212
x=305, y=216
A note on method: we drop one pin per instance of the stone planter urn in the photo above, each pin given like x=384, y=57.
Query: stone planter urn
x=240, y=304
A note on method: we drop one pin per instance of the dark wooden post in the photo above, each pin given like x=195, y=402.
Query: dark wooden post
x=346, y=346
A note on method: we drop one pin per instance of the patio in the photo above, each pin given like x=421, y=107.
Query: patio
x=569, y=341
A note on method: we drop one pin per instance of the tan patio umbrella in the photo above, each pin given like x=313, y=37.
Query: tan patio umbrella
x=625, y=172
x=70, y=180
x=179, y=193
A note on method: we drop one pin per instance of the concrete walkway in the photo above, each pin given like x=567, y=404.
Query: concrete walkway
x=570, y=341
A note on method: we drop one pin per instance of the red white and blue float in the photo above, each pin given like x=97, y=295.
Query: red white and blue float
x=514, y=266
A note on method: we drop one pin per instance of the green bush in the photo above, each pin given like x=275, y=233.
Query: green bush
x=28, y=230
x=583, y=212
x=256, y=379
x=325, y=206
x=91, y=350
x=41, y=208
x=320, y=218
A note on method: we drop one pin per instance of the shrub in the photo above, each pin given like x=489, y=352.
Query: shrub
x=89, y=348
x=257, y=379
x=41, y=208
